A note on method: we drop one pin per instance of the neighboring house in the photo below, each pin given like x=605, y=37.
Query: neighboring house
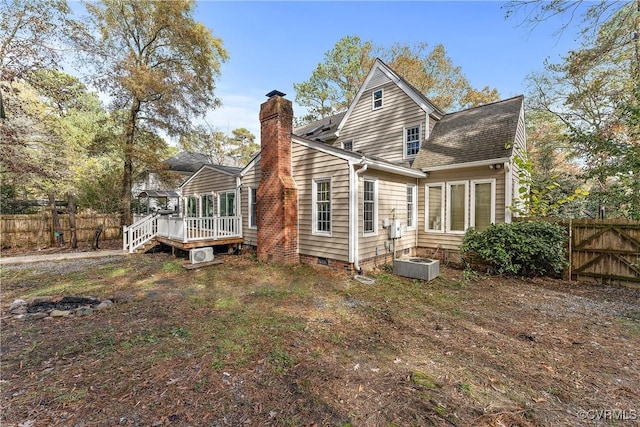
x=393, y=175
x=157, y=191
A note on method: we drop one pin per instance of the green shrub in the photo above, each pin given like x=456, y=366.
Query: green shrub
x=532, y=248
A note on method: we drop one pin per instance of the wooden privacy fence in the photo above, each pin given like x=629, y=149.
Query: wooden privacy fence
x=26, y=231
x=606, y=250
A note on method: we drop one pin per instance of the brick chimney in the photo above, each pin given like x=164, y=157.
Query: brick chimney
x=277, y=193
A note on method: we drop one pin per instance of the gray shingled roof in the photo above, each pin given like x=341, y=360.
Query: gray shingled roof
x=322, y=129
x=187, y=161
x=477, y=134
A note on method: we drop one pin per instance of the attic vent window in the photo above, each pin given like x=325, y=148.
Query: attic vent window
x=347, y=145
x=377, y=99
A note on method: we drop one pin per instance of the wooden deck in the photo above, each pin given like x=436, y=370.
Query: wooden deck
x=192, y=244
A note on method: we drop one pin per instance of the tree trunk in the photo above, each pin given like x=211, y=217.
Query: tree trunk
x=96, y=237
x=126, y=217
x=58, y=237
x=72, y=221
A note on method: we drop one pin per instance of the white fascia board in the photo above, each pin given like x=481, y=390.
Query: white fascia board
x=501, y=160
x=188, y=180
x=245, y=170
x=357, y=97
x=358, y=158
x=328, y=149
x=399, y=170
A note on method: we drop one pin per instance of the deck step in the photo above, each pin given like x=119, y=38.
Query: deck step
x=147, y=247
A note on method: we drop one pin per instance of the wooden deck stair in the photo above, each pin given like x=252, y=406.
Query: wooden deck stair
x=147, y=246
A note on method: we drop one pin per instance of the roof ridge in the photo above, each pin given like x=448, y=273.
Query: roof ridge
x=485, y=105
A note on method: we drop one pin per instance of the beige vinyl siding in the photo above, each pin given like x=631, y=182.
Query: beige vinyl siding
x=432, y=123
x=207, y=181
x=309, y=164
x=453, y=241
x=380, y=132
x=251, y=179
x=392, y=197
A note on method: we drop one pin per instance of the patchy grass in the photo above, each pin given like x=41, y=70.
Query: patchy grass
x=248, y=343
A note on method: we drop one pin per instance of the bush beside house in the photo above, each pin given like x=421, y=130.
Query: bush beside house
x=532, y=248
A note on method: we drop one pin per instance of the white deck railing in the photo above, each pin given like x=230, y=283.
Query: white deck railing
x=181, y=229
x=139, y=233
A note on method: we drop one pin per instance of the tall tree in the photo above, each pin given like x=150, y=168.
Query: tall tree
x=29, y=31
x=207, y=140
x=157, y=63
x=238, y=148
x=335, y=82
x=594, y=91
x=243, y=146
x=29, y=34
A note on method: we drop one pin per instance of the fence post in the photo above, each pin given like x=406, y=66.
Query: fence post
x=570, y=246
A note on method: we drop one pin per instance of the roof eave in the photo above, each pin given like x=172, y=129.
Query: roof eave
x=477, y=163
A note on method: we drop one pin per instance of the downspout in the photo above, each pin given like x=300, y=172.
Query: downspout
x=353, y=229
x=238, y=196
x=417, y=204
x=508, y=190
x=239, y=209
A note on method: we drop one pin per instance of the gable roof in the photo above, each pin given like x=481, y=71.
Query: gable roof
x=474, y=135
x=380, y=74
x=227, y=170
x=322, y=129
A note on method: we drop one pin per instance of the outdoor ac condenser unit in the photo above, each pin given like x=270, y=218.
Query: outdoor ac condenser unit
x=201, y=255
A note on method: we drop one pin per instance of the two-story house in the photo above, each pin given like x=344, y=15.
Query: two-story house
x=393, y=175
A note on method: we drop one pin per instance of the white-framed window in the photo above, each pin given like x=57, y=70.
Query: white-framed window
x=370, y=206
x=412, y=140
x=253, y=207
x=227, y=203
x=411, y=206
x=457, y=206
x=347, y=145
x=483, y=203
x=376, y=99
x=434, y=207
x=208, y=205
x=192, y=206
x=322, y=206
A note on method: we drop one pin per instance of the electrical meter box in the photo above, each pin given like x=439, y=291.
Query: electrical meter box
x=395, y=229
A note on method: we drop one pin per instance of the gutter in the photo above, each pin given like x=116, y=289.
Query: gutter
x=501, y=160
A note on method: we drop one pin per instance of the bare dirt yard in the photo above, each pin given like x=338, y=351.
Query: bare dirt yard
x=246, y=343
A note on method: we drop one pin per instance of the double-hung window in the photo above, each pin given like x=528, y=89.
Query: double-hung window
x=369, y=208
x=411, y=206
x=322, y=206
x=457, y=197
x=411, y=140
x=376, y=99
x=483, y=204
x=253, y=207
x=434, y=200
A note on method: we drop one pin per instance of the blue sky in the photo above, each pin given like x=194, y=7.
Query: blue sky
x=273, y=45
